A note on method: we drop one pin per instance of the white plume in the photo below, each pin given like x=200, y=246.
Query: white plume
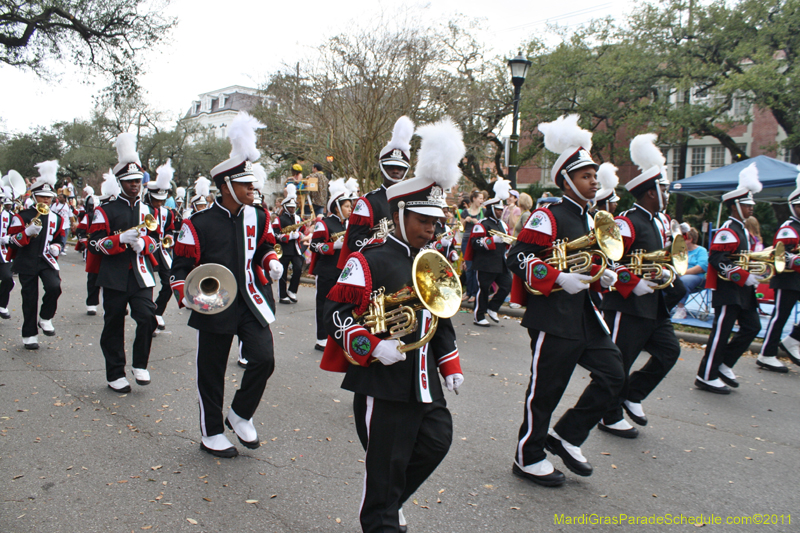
x=644, y=152
x=564, y=133
x=260, y=175
x=352, y=187
x=748, y=179
x=201, y=186
x=88, y=190
x=440, y=153
x=110, y=186
x=47, y=172
x=164, y=175
x=180, y=192
x=607, y=176
x=401, y=135
x=126, y=149
x=502, y=188
x=7, y=192
x=337, y=187
x=242, y=134
x=291, y=191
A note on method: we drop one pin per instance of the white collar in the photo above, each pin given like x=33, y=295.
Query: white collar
x=636, y=205
x=401, y=243
x=582, y=208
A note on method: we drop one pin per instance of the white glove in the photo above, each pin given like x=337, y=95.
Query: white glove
x=608, y=278
x=4, y=240
x=753, y=280
x=294, y=235
x=497, y=239
x=55, y=250
x=573, y=283
x=33, y=230
x=665, y=273
x=454, y=381
x=387, y=352
x=644, y=287
x=446, y=242
x=137, y=245
x=275, y=269
x=129, y=237
x=337, y=245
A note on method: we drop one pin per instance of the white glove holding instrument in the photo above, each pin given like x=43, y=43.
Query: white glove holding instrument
x=275, y=269
x=137, y=245
x=497, y=239
x=573, y=283
x=387, y=352
x=129, y=237
x=454, y=381
x=753, y=280
x=608, y=278
x=446, y=242
x=294, y=235
x=338, y=243
x=54, y=250
x=644, y=287
x=33, y=230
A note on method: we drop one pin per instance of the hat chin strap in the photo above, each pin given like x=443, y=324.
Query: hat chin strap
x=385, y=175
x=403, y=225
x=739, y=209
x=230, y=188
x=572, y=186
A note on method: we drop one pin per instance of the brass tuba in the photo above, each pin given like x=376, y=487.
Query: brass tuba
x=674, y=258
x=210, y=289
x=604, y=242
x=436, y=288
x=766, y=263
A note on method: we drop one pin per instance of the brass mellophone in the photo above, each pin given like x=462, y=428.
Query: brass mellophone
x=41, y=209
x=766, y=263
x=508, y=239
x=650, y=264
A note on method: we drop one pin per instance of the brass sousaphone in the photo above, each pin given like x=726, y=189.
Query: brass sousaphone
x=603, y=242
x=436, y=288
x=210, y=289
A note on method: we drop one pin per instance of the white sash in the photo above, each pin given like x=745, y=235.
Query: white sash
x=423, y=377
x=250, y=228
x=5, y=222
x=52, y=228
x=162, y=221
x=144, y=269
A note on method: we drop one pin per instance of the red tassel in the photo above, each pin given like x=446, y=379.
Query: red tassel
x=538, y=238
x=333, y=359
x=359, y=220
x=711, y=278
x=518, y=293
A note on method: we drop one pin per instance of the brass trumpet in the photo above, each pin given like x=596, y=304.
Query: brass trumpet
x=167, y=242
x=436, y=288
x=289, y=229
x=766, y=263
x=149, y=222
x=650, y=264
x=278, y=250
x=508, y=239
x=335, y=236
x=604, y=241
x=41, y=209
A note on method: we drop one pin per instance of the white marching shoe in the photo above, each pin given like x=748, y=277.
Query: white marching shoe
x=791, y=345
x=141, y=375
x=244, y=429
x=772, y=364
x=292, y=296
x=402, y=521
x=160, y=321
x=119, y=385
x=91, y=310
x=493, y=315
x=4, y=313
x=47, y=327
x=218, y=446
x=31, y=343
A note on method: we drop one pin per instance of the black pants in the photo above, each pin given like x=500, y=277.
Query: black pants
x=554, y=360
x=785, y=301
x=6, y=283
x=164, y=294
x=485, y=280
x=405, y=442
x=92, y=290
x=718, y=349
x=632, y=335
x=29, y=290
x=297, y=267
x=112, y=340
x=324, y=286
x=212, y=359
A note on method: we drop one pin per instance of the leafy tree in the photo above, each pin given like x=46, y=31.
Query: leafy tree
x=21, y=152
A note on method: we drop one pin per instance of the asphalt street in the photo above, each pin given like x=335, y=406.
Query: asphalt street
x=77, y=457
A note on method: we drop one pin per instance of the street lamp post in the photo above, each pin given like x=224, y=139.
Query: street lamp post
x=519, y=69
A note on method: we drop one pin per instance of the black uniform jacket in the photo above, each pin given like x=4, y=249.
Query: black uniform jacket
x=485, y=254
x=30, y=254
x=731, y=238
x=118, y=216
x=289, y=247
x=570, y=316
x=449, y=251
x=368, y=212
x=326, y=257
x=789, y=235
x=243, y=243
x=386, y=265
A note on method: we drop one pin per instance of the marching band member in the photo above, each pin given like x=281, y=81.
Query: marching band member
x=290, y=244
x=157, y=192
x=177, y=213
x=36, y=248
x=238, y=236
x=565, y=328
x=326, y=251
x=370, y=217
x=109, y=190
x=606, y=198
x=199, y=201
x=126, y=270
x=443, y=240
x=488, y=255
x=84, y=218
x=13, y=186
x=637, y=315
x=400, y=412
x=787, y=293
x=734, y=288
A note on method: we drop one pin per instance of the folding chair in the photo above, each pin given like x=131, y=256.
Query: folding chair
x=702, y=299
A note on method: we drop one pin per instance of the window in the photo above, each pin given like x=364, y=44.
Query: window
x=222, y=100
x=701, y=93
x=717, y=156
x=786, y=155
x=740, y=107
x=698, y=160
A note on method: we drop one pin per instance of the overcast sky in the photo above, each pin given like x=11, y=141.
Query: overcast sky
x=237, y=42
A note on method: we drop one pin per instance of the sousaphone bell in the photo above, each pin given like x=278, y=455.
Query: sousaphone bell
x=210, y=289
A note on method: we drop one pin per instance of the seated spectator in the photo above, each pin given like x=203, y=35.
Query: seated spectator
x=698, y=265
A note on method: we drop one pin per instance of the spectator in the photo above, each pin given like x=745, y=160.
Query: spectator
x=525, y=205
x=511, y=212
x=319, y=198
x=754, y=229
x=469, y=217
x=698, y=266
